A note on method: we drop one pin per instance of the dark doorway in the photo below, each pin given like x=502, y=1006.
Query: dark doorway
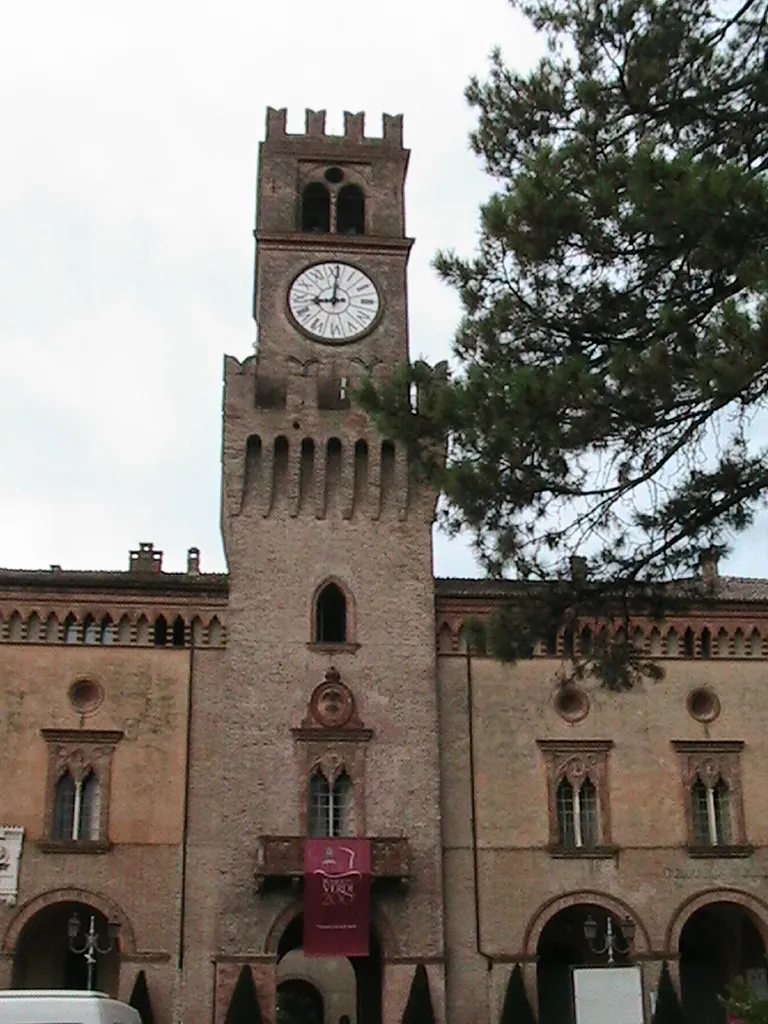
x=718, y=944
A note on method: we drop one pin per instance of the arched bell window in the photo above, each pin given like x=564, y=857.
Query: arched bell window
x=316, y=208
x=350, y=211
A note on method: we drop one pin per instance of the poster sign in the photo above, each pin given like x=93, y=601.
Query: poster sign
x=606, y=995
x=337, y=897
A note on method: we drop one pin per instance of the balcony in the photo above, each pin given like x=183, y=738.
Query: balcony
x=280, y=859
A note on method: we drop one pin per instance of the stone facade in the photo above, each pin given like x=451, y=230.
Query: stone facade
x=163, y=732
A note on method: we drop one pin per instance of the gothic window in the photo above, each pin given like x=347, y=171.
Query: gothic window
x=70, y=630
x=177, y=634
x=331, y=615
x=711, y=814
x=160, y=633
x=90, y=630
x=107, y=630
x=577, y=815
x=350, y=211
x=714, y=811
x=76, y=810
x=330, y=805
x=79, y=771
x=316, y=208
x=577, y=782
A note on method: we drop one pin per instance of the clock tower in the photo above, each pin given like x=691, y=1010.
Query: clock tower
x=328, y=712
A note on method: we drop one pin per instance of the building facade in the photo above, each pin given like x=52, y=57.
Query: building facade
x=171, y=740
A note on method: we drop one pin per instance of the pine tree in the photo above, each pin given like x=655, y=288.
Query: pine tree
x=517, y=1009
x=668, y=1010
x=140, y=999
x=244, y=1006
x=419, y=1008
x=613, y=349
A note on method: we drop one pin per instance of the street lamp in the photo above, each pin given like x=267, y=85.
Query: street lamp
x=611, y=944
x=91, y=946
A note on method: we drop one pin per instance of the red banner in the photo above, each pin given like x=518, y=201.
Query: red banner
x=337, y=897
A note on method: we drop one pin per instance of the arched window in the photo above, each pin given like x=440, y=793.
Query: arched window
x=177, y=634
x=350, y=211
x=77, y=808
x=330, y=807
x=711, y=813
x=107, y=630
x=331, y=616
x=577, y=815
x=316, y=208
x=160, y=631
x=90, y=630
x=70, y=630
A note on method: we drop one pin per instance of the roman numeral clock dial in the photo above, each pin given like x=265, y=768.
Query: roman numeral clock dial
x=334, y=303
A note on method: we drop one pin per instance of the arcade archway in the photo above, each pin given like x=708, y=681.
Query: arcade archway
x=562, y=945
x=43, y=957
x=719, y=943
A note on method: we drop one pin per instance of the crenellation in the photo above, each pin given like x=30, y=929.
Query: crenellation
x=314, y=121
x=315, y=129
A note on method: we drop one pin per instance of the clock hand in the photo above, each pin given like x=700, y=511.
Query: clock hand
x=334, y=300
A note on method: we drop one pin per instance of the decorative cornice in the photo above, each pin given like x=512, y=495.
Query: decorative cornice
x=82, y=735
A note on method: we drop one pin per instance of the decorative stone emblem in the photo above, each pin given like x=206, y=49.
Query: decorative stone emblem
x=332, y=704
x=11, y=839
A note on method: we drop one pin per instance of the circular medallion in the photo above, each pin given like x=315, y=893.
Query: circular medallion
x=332, y=704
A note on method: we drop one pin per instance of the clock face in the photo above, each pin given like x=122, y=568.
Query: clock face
x=334, y=302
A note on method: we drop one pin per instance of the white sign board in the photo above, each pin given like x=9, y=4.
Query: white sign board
x=607, y=995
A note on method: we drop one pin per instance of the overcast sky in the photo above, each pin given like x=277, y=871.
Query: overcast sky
x=127, y=188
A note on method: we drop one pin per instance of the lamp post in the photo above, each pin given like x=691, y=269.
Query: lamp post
x=90, y=945
x=611, y=944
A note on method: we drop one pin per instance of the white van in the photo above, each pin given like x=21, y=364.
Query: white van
x=41, y=1006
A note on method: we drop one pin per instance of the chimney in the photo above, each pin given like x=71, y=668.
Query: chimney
x=708, y=566
x=193, y=561
x=146, y=559
x=578, y=569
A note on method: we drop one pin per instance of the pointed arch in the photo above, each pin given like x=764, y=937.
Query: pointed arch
x=333, y=613
x=196, y=632
x=107, y=631
x=705, y=647
x=178, y=632
x=90, y=630
x=124, y=630
x=34, y=628
x=755, y=644
x=739, y=644
x=214, y=633
x=672, y=643
x=723, y=643
x=160, y=632
x=654, y=643
x=142, y=630
x=71, y=630
x=52, y=629
x=444, y=639
x=15, y=628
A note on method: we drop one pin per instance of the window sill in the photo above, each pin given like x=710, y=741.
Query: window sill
x=333, y=648
x=724, y=852
x=593, y=853
x=74, y=845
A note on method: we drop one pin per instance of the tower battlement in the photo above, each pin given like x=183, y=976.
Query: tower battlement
x=315, y=130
